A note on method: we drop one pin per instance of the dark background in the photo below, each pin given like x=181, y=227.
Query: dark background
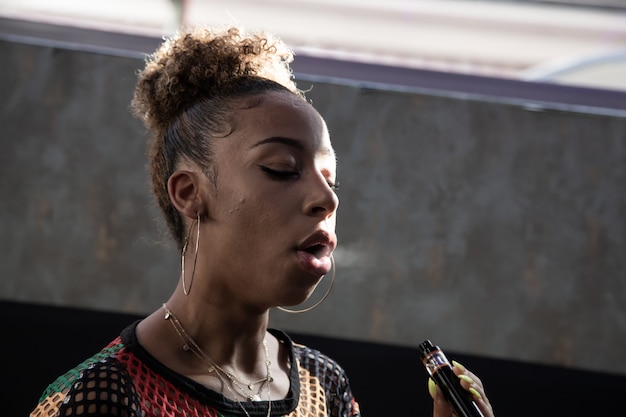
x=43, y=342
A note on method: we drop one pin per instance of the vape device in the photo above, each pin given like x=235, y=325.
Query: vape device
x=440, y=371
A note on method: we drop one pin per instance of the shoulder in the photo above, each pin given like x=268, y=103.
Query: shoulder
x=321, y=374
x=311, y=360
x=319, y=364
x=99, y=385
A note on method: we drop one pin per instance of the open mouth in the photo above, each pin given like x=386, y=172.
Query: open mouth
x=317, y=250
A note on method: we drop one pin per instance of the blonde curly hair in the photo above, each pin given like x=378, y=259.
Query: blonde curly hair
x=188, y=89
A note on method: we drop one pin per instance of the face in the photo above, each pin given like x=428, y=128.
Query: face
x=272, y=208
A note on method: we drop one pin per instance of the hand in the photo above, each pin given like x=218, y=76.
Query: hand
x=470, y=382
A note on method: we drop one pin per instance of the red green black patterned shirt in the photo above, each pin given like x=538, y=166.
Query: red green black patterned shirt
x=124, y=380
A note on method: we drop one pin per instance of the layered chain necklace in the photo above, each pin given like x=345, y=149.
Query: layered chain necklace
x=233, y=381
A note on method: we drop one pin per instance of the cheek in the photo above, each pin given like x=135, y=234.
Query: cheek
x=256, y=216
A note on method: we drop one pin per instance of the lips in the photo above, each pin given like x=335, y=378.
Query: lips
x=315, y=251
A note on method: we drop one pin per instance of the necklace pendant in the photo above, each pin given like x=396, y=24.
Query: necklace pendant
x=251, y=386
x=255, y=397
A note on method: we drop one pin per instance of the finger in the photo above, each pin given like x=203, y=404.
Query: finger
x=470, y=382
x=459, y=369
x=432, y=388
x=441, y=408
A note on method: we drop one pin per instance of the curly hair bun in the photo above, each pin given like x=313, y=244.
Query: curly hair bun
x=202, y=63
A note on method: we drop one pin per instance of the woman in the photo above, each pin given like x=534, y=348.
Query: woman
x=245, y=174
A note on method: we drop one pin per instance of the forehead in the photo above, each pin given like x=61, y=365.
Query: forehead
x=281, y=115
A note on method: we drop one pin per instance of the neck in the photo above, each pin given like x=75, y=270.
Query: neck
x=232, y=339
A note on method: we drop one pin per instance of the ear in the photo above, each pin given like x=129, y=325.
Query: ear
x=183, y=188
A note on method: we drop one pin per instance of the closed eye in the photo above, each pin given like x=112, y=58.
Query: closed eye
x=287, y=175
x=279, y=174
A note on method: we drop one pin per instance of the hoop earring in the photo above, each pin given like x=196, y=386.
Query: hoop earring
x=330, y=286
x=195, y=257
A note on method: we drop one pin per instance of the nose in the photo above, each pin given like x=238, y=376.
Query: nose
x=321, y=200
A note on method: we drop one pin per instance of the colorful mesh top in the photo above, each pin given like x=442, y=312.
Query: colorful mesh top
x=124, y=380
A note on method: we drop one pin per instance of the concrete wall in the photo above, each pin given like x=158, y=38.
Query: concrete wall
x=490, y=228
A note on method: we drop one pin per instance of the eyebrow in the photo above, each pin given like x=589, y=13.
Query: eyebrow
x=294, y=143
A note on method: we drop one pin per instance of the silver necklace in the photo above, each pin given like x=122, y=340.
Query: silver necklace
x=191, y=345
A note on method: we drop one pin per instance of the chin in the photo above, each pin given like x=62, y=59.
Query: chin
x=297, y=299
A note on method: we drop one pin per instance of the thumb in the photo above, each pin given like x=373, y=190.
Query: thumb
x=441, y=408
x=432, y=388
